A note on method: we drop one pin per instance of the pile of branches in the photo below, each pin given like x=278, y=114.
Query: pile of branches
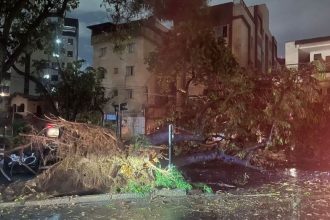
x=77, y=139
x=89, y=158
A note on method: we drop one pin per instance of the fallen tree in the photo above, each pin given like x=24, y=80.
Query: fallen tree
x=89, y=158
x=160, y=136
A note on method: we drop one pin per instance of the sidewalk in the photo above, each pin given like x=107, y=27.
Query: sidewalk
x=69, y=200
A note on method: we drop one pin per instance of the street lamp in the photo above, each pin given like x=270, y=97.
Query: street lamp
x=58, y=41
x=4, y=91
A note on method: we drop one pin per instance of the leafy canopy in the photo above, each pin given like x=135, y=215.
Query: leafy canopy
x=23, y=25
x=80, y=91
x=215, y=95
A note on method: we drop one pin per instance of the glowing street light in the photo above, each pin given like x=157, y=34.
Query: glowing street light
x=4, y=91
x=58, y=40
x=56, y=55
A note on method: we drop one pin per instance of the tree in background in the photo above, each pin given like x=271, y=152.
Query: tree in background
x=80, y=91
x=23, y=26
x=128, y=10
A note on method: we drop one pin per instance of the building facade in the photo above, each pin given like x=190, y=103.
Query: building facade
x=58, y=52
x=127, y=79
x=61, y=50
x=246, y=31
x=311, y=51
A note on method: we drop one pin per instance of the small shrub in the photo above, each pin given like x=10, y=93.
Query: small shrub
x=202, y=186
x=139, y=188
x=140, y=141
x=207, y=189
x=172, y=179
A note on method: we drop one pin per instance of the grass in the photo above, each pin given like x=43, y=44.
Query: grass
x=171, y=179
x=138, y=188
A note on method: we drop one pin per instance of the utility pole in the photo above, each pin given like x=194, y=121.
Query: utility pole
x=170, y=144
x=117, y=119
x=122, y=107
x=119, y=116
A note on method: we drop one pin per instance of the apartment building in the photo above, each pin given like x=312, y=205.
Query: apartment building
x=311, y=51
x=59, y=51
x=127, y=79
x=246, y=31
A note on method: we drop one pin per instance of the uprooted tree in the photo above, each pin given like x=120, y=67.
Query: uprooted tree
x=249, y=109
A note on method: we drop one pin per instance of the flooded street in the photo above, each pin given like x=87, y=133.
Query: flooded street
x=282, y=194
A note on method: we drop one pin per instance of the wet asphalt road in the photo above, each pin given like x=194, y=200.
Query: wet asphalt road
x=285, y=194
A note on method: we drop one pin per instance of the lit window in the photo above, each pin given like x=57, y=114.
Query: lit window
x=129, y=70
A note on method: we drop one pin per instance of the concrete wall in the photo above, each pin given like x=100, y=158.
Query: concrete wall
x=291, y=55
x=240, y=42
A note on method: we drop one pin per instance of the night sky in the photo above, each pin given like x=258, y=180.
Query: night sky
x=289, y=20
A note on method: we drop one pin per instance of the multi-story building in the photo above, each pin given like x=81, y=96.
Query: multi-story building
x=58, y=52
x=314, y=50
x=127, y=79
x=246, y=31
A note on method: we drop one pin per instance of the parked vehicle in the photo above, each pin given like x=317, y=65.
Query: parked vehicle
x=31, y=160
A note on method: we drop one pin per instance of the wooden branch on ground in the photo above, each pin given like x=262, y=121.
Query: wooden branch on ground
x=213, y=155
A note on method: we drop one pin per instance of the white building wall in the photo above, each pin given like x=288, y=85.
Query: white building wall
x=291, y=55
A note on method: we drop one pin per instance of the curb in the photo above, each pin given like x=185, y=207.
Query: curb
x=70, y=200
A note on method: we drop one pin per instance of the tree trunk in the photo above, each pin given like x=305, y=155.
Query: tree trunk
x=212, y=155
x=161, y=137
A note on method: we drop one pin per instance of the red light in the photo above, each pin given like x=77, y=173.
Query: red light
x=49, y=126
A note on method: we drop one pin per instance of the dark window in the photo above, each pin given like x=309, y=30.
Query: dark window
x=327, y=63
x=317, y=56
x=130, y=47
x=70, y=41
x=129, y=70
x=39, y=111
x=63, y=65
x=224, y=31
x=327, y=59
x=54, y=78
x=103, y=51
x=70, y=53
x=129, y=93
x=21, y=108
x=115, y=70
x=328, y=91
x=54, y=65
x=115, y=92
